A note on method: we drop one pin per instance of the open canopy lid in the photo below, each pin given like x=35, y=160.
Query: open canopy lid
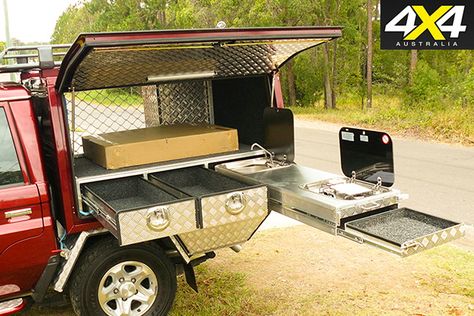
x=108, y=60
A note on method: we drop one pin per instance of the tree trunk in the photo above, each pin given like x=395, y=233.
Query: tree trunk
x=161, y=17
x=290, y=76
x=413, y=61
x=369, y=54
x=150, y=105
x=328, y=94
x=377, y=10
x=334, y=74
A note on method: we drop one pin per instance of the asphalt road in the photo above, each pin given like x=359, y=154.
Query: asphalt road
x=439, y=178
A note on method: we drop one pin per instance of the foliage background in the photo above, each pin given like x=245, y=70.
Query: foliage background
x=434, y=88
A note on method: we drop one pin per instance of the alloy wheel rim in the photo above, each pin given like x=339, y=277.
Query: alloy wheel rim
x=128, y=288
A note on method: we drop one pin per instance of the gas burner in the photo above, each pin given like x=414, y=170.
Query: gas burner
x=345, y=188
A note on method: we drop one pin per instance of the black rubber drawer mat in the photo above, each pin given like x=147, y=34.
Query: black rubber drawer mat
x=400, y=225
x=197, y=181
x=129, y=193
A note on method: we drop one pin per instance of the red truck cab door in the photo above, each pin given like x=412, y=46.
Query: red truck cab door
x=24, y=250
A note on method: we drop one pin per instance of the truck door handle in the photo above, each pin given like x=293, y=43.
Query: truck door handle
x=18, y=213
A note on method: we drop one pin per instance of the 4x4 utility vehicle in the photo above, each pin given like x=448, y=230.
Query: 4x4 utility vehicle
x=115, y=238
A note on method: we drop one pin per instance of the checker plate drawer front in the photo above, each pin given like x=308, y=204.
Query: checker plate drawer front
x=435, y=239
x=212, y=238
x=215, y=212
x=403, y=231
x=229, y=211
x=134, y=227
x=134, y=210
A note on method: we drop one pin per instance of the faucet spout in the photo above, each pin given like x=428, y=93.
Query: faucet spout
x=268, y=155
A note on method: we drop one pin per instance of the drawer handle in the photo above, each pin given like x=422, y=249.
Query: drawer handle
x=412, y=244
x=157, y=218
x=235, y=203
x=370, y=206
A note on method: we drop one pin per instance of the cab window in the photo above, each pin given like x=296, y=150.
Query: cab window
x=10, y=172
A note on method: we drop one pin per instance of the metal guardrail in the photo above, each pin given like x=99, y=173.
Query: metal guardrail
x=32, y=57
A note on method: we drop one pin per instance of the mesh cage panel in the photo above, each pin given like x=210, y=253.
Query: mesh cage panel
x=111, y=110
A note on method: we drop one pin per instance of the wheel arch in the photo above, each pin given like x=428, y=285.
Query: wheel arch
x=91, y=276
x=86, y=238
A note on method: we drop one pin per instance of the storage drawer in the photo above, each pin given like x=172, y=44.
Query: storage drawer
x=135, y=210
x=220, y=199
x=403, y=231
x=229, y=211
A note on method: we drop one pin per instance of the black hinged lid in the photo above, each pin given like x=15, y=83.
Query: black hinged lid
x=107, y=60
x=367, y=155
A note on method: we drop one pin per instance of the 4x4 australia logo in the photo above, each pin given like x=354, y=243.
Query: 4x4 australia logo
x=427, y=24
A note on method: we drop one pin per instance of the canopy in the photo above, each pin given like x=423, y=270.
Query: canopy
x=108, y=60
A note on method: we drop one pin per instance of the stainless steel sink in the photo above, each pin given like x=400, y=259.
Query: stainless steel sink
x=251, y=166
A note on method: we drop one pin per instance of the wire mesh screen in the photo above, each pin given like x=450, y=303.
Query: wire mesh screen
x=96, y=112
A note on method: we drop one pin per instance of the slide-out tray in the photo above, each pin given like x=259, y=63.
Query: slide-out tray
x=364, y=212
x=292, y=188
x=404, y=231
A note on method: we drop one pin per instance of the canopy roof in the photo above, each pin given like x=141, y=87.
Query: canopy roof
x=108, y=60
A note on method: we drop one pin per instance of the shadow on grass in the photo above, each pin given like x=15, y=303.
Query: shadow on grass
x=220, y=293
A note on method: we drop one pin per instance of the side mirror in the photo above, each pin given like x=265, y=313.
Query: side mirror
x=367, y=155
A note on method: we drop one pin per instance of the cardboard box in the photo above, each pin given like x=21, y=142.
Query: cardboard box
x=155, y=144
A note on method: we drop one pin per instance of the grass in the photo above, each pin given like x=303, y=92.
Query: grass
x=110, y=97
x=452, y=124
x=220, y=293
x=445, y=271
x=451, y=271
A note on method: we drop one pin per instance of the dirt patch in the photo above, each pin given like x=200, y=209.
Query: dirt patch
x=302, y=271
x=309, y=273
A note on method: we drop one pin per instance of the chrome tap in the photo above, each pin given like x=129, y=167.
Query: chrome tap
x=268, y=155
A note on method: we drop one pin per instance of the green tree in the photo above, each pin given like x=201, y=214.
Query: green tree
x=425, y=89
x=334, y=70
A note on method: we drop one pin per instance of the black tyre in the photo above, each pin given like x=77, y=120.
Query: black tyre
x=132, y=280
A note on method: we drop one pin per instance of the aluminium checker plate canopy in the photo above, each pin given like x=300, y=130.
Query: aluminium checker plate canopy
x=111, y=60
